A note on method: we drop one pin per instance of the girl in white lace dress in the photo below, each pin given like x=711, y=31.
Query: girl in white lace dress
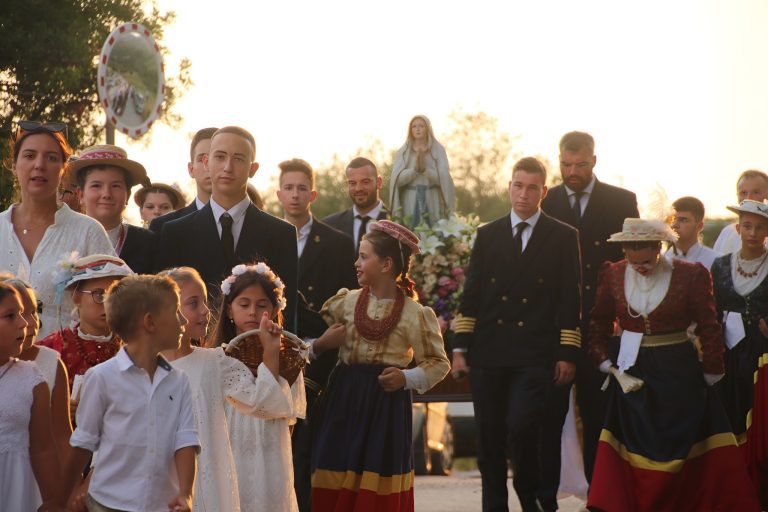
x=261, y=447
x=50, y=364
x=27, y=453
x=216, y=379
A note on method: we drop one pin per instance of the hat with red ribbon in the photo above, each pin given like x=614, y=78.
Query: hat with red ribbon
x=114, y=156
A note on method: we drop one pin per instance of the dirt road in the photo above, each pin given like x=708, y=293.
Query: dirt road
x=460, y=492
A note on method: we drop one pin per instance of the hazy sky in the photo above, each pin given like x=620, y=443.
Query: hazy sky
x=675, y=93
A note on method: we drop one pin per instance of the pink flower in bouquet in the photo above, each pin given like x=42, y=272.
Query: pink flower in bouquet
x=457, y=272
x=447, y=283
x=443, y=292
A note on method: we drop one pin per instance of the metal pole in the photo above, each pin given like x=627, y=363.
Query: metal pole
x=110, y=129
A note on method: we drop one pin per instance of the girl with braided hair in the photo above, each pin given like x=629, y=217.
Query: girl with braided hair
x=362, y=456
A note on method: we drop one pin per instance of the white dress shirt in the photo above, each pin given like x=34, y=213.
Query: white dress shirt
x=199, y=204
x=585, y=195
x=373, y=214
x=137, y=425
x=697, y=253
x=302, y=235
x=237, y=213
x=531, y=221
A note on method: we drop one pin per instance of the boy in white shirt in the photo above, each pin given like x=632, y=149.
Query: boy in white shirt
x=688, y=224
x=136, y=410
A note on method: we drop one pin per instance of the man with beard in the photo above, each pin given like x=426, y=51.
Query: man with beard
x=597, y=210
x=364, y=186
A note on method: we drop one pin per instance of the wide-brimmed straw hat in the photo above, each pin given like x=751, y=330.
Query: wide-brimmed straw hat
x=107, y=154
x=398, y=232
x=73, y=269
x=642, y=230
x=750, y=206
x=177, y=198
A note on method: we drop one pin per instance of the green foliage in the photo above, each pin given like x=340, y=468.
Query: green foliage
x=49, y=60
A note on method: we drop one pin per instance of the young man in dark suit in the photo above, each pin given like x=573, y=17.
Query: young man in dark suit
x=229, y=229
x=326, y=264
x=105, y=177
x=597, y=210
x=518, y=332
x=198, y=150
x=364, y=187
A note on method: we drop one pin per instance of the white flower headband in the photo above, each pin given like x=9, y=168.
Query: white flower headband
x=259, y=268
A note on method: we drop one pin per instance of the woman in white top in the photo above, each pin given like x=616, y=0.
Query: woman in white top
x=421, y=188
x=214, y=379
x=38, y=231
x=50, y=365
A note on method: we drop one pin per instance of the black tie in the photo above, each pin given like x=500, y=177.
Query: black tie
x=364, y=219
x=227, y=240
x=577, y=205
x=518, y=240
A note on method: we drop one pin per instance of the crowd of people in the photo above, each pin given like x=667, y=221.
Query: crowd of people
x=156, y=368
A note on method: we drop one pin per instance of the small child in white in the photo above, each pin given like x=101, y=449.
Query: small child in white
x=136, y=410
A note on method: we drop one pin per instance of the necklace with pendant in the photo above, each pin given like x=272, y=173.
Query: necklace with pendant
x=743, y=272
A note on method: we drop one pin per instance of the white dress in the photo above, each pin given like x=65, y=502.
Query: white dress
x=263, y=457
x=70, y=231
x=214, y=379
x=18, y=487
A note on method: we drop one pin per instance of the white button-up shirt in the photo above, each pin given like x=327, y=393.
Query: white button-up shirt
x=237, y=213
x=137, y=424
x=697, y=253
x=303, y=234
x=585, y=195
x=532, y=220
x=373, y=214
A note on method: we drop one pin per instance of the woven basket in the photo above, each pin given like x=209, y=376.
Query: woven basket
x=247, y=348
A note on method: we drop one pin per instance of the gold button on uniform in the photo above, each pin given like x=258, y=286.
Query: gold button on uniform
x=520, y=323
x=588, y=265
x=499, y=321
x=525, y=301
x=493, y=279
x=597, y=243
x=587, y=287
x=310, y=288
x=504, y=298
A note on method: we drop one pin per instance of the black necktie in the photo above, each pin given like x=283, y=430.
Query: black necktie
x=227, y=240
x=517, y=242
x=577, y=205
x=364, y=219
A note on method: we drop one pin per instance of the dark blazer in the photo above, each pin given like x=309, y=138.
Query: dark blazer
x=194, y=241
x=157, y=223
x=139, y=249
x=345, y=221
x=605, y=213
x=326, y=264
x=521, y=312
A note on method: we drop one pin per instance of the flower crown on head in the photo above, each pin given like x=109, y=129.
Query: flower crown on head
x=259, y=268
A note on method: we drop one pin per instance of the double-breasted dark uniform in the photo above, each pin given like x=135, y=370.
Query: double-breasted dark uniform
x=518, y=316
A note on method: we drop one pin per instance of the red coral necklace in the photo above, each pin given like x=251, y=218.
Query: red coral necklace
x=376, y=330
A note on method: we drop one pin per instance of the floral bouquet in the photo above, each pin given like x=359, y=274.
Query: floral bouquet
x=439, y=270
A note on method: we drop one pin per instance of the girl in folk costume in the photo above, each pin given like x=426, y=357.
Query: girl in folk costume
x=252, y=298
x=666, y=443
x=29, y=466
x=216, y=379
x=89, y=340
x=362, y=459
x=741, y=292
x=50, y=364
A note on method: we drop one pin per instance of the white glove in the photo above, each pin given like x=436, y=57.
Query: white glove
x=713, y=378
x=627, y=382
x=605, y=366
